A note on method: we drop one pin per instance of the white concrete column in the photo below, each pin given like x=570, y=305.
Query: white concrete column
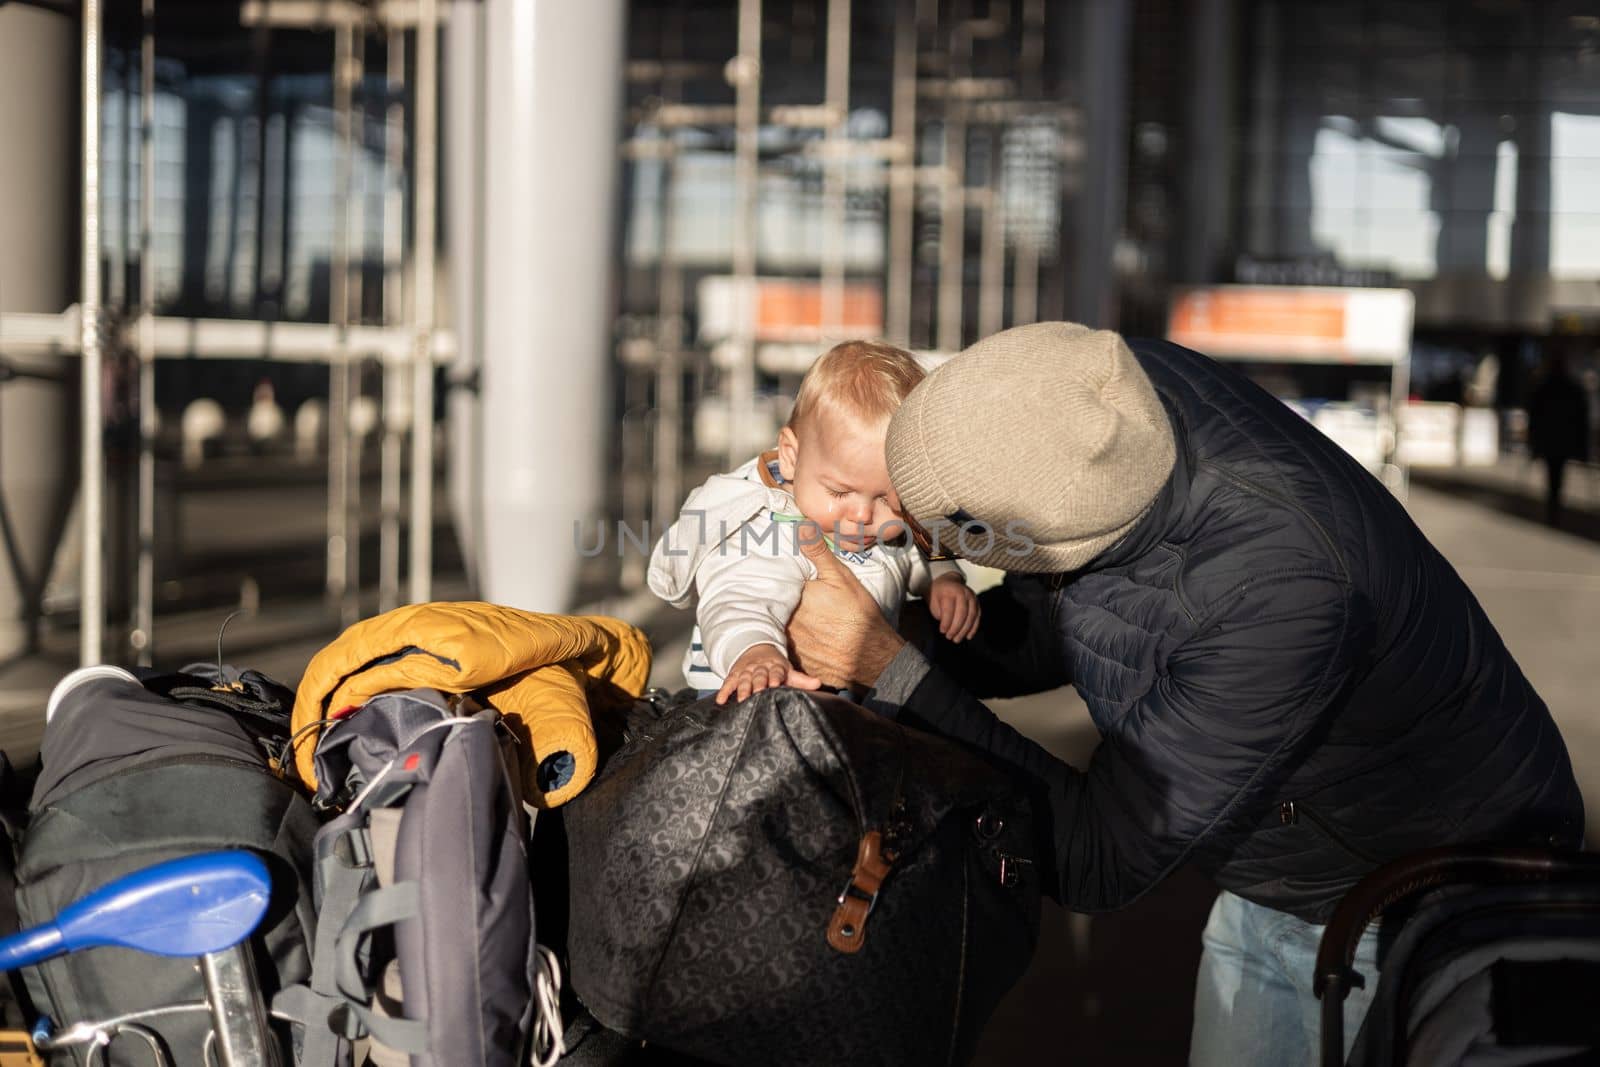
x=464, y=119
x=38, y=205
x=552, y=84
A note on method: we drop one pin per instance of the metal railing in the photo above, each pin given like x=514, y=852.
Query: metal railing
x=939, y=93
x=86, y=328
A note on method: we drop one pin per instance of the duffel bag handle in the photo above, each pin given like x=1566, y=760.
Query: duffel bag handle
x=847, y=931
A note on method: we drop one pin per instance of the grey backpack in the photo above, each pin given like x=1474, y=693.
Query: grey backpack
x=425, y=941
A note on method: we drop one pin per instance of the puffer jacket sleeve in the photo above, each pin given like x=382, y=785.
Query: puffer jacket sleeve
x=1205, y=749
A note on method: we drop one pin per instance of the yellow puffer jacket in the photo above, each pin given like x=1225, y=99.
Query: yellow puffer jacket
x=545, y=674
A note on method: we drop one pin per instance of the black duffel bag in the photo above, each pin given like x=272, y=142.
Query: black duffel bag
x=794, y=880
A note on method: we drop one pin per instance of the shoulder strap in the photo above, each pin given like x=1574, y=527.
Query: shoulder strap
x=336, y=1007
x=344, y=873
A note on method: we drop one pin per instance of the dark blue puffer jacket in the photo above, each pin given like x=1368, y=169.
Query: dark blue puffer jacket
x=1292, y=684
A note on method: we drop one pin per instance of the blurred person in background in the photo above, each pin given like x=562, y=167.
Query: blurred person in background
x=1291, y=684
x=1558, y=428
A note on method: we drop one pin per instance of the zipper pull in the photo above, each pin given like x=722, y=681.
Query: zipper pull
x=1011, y=868
x=277, y=753
x=897, y=828
x=1287, y=815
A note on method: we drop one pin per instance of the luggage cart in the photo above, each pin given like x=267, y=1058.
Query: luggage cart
x=204, y=906
x=1491, y=948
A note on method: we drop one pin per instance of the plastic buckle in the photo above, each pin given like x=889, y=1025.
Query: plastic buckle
x=354, y=847
x=345, y=1023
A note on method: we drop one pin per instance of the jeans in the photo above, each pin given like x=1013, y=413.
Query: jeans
x=1555, y=473
x=1253, y=1002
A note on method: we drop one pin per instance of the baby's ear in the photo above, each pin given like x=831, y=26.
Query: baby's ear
x=788, y=452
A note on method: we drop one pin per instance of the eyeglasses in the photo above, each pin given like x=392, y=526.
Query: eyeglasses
x=931, y=551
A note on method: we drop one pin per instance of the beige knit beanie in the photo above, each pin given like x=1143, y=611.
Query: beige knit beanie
x=1050, y=437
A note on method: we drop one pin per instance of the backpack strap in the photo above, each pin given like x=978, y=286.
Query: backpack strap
x=354, y=903
x=403, y=1035
x=344, y=872
x=388, y=998
x=377, y=909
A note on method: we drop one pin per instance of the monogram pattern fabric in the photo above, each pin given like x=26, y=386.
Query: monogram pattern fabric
x=708, y=857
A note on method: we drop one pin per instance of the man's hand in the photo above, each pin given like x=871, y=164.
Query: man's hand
x=838, y=634
x=762, y=667
x=955, y=605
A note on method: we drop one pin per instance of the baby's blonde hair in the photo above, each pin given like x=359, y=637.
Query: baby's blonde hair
x=866, y=380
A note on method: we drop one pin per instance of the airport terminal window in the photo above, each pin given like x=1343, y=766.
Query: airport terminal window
x=1425, y=138
x=1574, y=180
x=122, y=178
x=788, y=213
x=208, y=207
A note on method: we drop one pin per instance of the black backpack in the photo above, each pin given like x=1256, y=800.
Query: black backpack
x=131, y=777
x=16, y=1008
x=796, y=880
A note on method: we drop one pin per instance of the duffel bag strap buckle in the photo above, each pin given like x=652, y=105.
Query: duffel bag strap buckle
x=847, y=931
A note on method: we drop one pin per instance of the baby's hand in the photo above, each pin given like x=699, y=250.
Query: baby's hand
x=762, y=667
x=955, y=606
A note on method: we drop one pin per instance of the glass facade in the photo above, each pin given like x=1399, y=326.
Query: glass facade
x=245, y=200
x=1452, y=145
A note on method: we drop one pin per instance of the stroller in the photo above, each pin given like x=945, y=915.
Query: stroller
x=1493, y=958
x=205, y=906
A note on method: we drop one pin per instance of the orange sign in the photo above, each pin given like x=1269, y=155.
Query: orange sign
x=792, y=311
x=1294, y=322
x=1256, y=313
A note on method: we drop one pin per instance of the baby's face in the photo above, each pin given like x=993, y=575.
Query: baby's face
x=840, y=478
